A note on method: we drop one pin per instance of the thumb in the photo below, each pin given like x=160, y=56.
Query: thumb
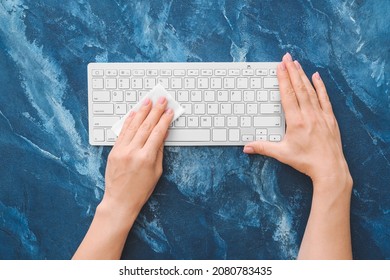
x=270, y=149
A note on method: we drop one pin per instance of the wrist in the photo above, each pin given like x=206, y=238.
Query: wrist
x=119, y=218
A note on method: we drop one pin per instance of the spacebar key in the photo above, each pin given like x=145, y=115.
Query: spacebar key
x=188, y=135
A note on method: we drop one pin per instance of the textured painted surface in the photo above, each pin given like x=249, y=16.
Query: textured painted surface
x=211, y=202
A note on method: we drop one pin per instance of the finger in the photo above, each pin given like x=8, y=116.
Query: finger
x=160, y=154
x=297, y=83
x=265, y=148
x=312, y=93
x=131, y=129
x=159, y=133
x=150, y=122
x=323, y=97
x=125, y=127
x=287, y=93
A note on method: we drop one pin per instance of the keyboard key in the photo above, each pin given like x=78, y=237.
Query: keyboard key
x=117, y=95
x=246, y=121
x=234, y=72
x=266, y=121
x=274, y=138
x=151, y=72
x=97, y=72
x=275, y=95
x=203, y=83
x=179, y=72
x=235, y=95
x=261, y=137
x=136, y=83
x=98, y=135
x=110, y=136
x=180, y=122
x=139, y=72
x=219, y=121
x=189, y=83
x=188, y=135
x=205, y=121
x=261, y=72
x=216, y=83
x=239, y=108
x=150, y=83
x=232, y=121
x=196, y=96
x=249, y=95
x=200, y=109
x=124, y=83
x=120, y=109
x=247, y=72
x=97, y=83
x=110, y=83
x=270, y=108
x=164, y=82
x=209, y=95
x=219, y=135
x=193, y=121
x=188, y=108
x=220, y=72
x=247, y=138
x=222, y=95
x=105, y=121
x=207, y=72
x=272, y=72
x=182, y=96
x=262, y=95
x=166, y=72
x=234, y=135
x=242, y=83
x=131, y=96
x=226, y=109
x=103, y=109
x=111, y=72
x=176, y=83
x=255, y=83
x=101, y=96
x=125, y=72
x=261, y=131
x=229, y=83
x=271, y=83
x=251, y=108
x=193, y=72
x=212, y=109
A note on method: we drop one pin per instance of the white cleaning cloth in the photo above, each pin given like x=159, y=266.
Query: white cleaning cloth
x=153, y=95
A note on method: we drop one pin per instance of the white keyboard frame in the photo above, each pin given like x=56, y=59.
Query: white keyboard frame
x=248, y=67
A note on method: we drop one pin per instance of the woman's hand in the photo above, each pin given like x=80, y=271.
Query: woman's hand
x=133, y=169
x=312, y=143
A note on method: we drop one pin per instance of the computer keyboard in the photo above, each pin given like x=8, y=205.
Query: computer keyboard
x=226, y=103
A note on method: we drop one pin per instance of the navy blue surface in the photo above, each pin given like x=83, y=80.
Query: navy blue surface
x=211, y=203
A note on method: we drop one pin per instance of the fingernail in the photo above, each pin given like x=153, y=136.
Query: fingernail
x=169, y=111
x=161, y=100
x=248, y=150
x=297, y=65
x=317, y=76
x=282, y=67
x=146, y=101
x=288, y=57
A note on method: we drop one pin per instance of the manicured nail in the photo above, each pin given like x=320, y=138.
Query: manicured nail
x=169, y=111
x=288, y=57
x=248, y=150
x=146, y=101
x=282, y=67
x=297, y=65
x=161, y=100
x=317, y=76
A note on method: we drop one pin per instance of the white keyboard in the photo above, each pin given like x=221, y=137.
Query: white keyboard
x=226, y=104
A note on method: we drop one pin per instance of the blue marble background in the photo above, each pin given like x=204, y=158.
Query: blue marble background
x=211, y=203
